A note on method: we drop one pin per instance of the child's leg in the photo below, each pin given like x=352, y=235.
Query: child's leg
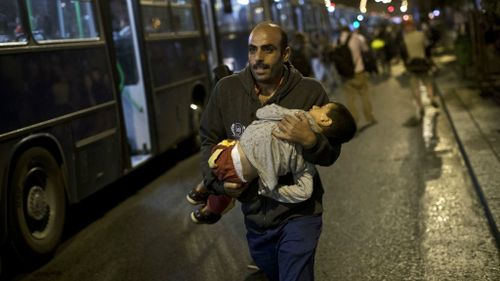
x=222, y=164
x=218, y=204
x=198, y=194
x=201, y=188
x=213, y=210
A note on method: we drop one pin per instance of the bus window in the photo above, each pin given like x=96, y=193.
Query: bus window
x=11, y=28
x=237, y=21
x=155, y=17
x=62, y=19
x=234, y=27
x=182, y=16
x=181, y=59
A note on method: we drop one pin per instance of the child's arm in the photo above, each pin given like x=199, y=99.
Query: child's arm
x=298, y=192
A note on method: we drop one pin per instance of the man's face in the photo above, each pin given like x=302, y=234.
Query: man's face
x=265, y=56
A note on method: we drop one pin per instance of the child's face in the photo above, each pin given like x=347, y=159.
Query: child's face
x=320, y=114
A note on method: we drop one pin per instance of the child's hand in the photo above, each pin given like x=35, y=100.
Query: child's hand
x=296, y=128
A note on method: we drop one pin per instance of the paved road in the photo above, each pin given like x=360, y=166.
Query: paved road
x=394, y=210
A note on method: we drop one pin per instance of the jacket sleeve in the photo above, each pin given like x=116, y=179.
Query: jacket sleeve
x=324, y=153
x=298, y=192
x=212, y=131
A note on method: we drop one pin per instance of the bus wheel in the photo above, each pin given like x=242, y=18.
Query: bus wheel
x=37, y=205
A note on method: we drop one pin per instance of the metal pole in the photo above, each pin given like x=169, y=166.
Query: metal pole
x=218, y=52
x=60, y=16
x=79, y=19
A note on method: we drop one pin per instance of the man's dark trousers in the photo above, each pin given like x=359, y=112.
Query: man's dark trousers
x=288, y=249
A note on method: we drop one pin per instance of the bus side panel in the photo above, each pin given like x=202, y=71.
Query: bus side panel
x=175, y=66
x=96, y=148
x=172, y=117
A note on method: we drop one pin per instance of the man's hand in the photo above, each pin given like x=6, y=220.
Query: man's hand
x=234, y=189
x=296, y=128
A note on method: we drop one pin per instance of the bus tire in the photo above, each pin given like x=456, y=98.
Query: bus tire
x=37, y=205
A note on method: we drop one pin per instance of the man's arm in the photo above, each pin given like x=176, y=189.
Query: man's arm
x=324, y=153
x=318, y=149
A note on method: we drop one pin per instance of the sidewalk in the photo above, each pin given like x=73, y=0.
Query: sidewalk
x=475, y=121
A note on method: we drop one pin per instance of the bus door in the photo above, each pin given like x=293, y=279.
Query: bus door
x=211, y=32
x=131, y=83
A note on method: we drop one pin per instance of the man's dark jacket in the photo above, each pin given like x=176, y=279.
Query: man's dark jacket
x=232, y=107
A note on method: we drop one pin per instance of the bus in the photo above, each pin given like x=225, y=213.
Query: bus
x=91, y=90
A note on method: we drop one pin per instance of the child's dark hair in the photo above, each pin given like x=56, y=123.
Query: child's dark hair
x=343, y=127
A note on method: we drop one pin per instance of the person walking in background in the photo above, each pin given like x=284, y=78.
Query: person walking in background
x=282, y=238
x=355, y=81
x=391, y=46
x=322, y=66
x=378, y=46
x=387, y=48
x=369, y=59
x=418, y=65
x=463, y=50
x=301, y=54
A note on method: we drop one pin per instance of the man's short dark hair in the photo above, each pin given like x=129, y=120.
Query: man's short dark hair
x=343, y=127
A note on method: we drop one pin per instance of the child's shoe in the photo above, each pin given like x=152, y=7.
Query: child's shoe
x=196, y=196
x=202, y=216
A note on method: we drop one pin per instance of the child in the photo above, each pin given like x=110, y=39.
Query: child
x=259, y=154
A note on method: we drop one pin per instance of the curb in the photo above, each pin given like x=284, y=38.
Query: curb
x=474, y=177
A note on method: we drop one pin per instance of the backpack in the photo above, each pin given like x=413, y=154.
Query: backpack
x=342, y=59
x=369, y=61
